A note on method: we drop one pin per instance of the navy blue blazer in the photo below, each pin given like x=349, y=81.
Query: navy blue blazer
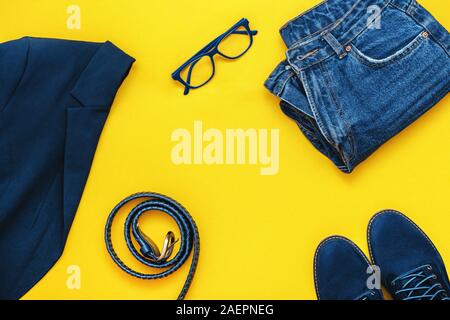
x=55, y=96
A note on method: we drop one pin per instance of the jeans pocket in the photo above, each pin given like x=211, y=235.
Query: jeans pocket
x=395, y=57
x=393, y=36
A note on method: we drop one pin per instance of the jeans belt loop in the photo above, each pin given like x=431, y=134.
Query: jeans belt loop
x=411, y=7
x=335, y=44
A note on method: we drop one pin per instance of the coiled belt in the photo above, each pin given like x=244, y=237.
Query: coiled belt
x=148, y=254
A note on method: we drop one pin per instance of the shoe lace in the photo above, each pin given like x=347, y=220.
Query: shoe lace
x=368, y=295
x=420, y=284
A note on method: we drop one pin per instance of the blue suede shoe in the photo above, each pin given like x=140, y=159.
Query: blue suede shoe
x=340, y=271
x=411, y=267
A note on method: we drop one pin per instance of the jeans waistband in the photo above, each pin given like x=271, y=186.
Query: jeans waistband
x=329, y=27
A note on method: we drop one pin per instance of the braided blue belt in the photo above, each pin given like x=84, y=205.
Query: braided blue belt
x=188, y=232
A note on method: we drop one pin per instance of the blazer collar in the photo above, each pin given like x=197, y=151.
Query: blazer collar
x=13, y=60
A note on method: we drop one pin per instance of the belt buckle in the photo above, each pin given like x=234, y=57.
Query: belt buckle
x=167, y=249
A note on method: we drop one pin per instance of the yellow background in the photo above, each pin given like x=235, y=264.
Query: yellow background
x=258, y=233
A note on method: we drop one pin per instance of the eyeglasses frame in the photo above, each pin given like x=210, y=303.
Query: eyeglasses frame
x=210, y=50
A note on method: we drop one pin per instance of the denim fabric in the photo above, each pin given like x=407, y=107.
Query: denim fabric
x=350, y=85
x=55, y=96
x=340, y=271
x=411, y=266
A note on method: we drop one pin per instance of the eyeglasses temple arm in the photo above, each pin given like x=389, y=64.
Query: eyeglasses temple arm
x=253, y=32
x=188, y=78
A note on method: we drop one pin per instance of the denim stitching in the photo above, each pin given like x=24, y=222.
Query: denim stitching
x=397, y=7
x=328, y=28
x=431, y=34
x=411, y=11
x=283, y=85
x=312, y=37
x=411, y=7
x=366, y=25
x=344, y=44
x=407, y=50
x=302, y=14
x=334, y=44
x=314, y=108
x=341, y=115
x=279, y=85
x=317, y=62
x=315, y=141
x=309, y=54
x=438, y=96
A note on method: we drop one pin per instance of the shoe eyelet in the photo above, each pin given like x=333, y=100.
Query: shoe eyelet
x=429, y=267
x=393, y=283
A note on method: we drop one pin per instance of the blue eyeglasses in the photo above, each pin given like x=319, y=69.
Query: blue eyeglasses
x=200, y=69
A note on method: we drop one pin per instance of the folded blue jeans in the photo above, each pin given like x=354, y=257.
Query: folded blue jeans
x=357, y=72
